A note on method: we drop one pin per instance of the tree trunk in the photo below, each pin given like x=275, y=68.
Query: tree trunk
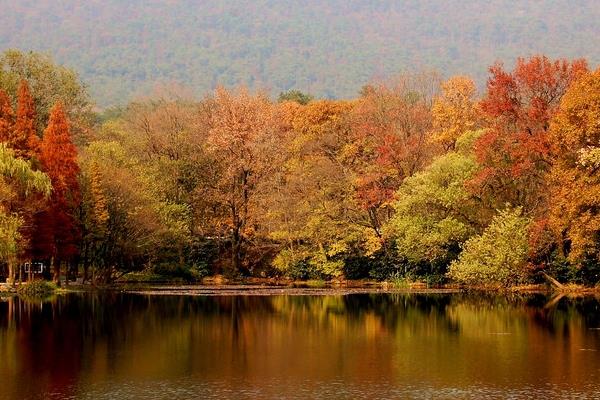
x=11, y=274
x=56, y=269
x=236, y=259
x=72, y=270
x=86, y=271
x=553, y=281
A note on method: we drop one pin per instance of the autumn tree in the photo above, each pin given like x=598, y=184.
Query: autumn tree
x=49, y=83
x=515, y=151
x=434, y=212
x=575, y=179
x=243, y=138
x=345, y=163
x=158, y=177
x=19, y=133
x=128, y=225
x=454, y=111
x=58, y=157
x=7, y=117
x=170, y=138
x=389, y=141
x=295, y=96
x=93, y=216
x=311, y=208
x=17, y=180
x=100, y=208
x=23, y=138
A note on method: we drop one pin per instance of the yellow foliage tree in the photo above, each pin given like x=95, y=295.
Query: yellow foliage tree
x=100, y=207
x=454, y=111
x=575, y=139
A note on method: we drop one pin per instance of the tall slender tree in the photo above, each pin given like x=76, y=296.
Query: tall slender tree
x=242, y=136
x=58, y=156
x=24, y=140
x=7, y=117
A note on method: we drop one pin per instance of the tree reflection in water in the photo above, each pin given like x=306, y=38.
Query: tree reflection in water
x=95, y=345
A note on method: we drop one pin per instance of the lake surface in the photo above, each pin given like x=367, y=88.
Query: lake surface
x=139, y=346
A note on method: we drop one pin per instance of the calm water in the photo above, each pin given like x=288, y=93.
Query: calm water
x=135, y=346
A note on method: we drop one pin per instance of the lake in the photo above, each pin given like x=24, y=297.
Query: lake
x=117, y=345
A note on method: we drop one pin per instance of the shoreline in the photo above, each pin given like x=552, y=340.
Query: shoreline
x=268, y=286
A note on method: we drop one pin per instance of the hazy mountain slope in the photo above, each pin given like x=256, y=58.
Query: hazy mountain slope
x=329, y=48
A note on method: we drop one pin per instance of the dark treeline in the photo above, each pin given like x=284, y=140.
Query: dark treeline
x=416, y=178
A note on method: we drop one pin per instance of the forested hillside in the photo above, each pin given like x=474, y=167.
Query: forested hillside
x=123, y=48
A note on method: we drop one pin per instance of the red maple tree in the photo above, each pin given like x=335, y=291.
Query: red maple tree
x=514, y=152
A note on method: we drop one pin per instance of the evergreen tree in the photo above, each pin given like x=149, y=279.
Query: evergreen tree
x=58, y=156
x=7, y=118
x=24, y=140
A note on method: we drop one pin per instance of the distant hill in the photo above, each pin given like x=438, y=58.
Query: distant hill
x=328, y=48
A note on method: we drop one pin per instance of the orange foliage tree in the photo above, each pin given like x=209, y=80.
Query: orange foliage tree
x=19, y=133
x=389, y=141
x=24, y=139
x=7, y=117
x=56, y=231
x=575, y=139
x=243, y=139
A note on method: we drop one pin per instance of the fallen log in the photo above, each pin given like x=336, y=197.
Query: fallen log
x=553, y=281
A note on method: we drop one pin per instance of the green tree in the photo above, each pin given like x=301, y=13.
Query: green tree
x=435, y=213
x=295, y=95
x=17, y=178
x=498, y=256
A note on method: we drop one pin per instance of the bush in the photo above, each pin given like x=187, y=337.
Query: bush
x=303, y=270
x=587, y=273
x=399, y=281
x=36, y=289
x=498, y=256
x=297, y=265
x=201, y=255
x=178, y=272
x=383, y=267
x=358, y=267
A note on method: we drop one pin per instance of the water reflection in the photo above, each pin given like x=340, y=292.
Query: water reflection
x=365, y=345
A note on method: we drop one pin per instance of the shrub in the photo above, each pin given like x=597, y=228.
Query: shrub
x=385, y=266
x=36, y=289
x=303, y=270
x=586, y=273
x=178, y=272
x=498, y=256
x=297, y=265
